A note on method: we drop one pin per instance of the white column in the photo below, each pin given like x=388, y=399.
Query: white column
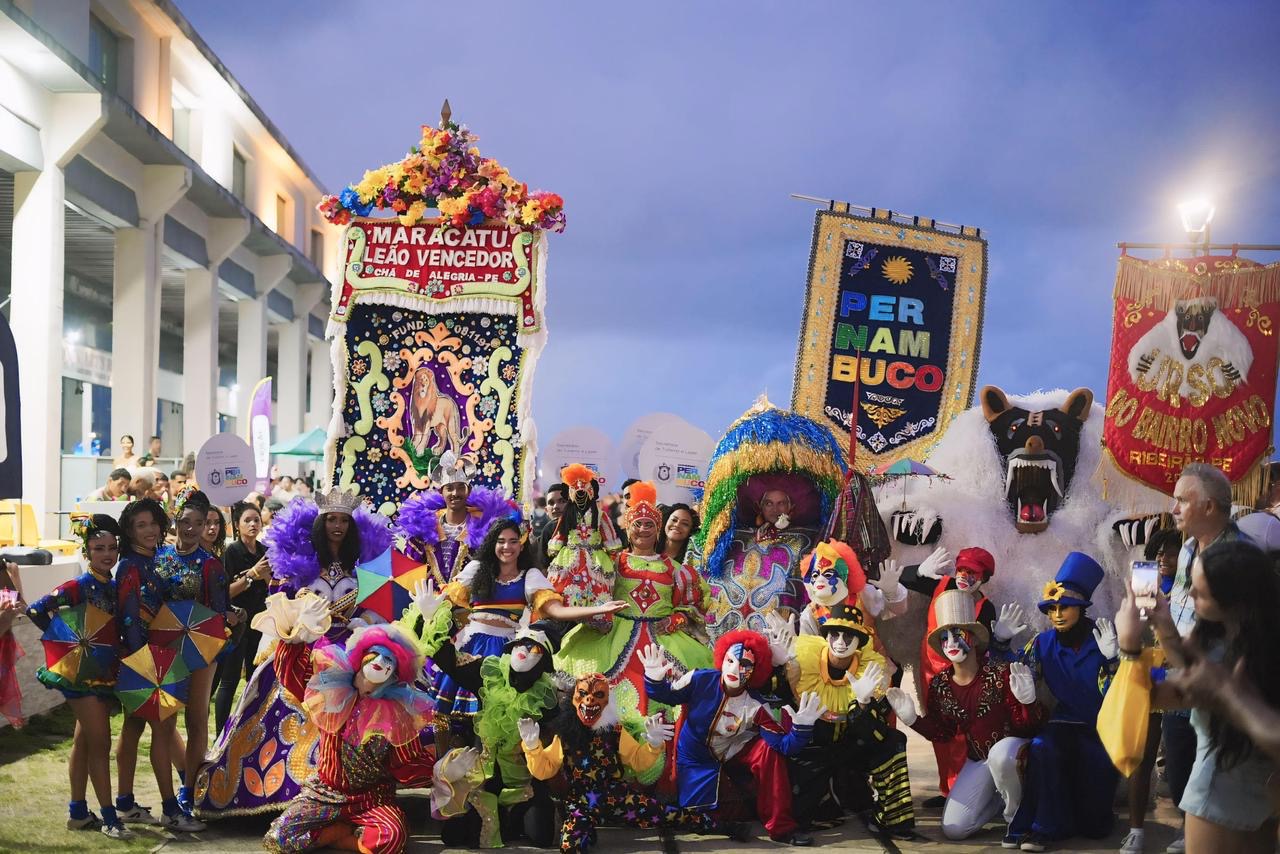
x=291, y=383
x=199, y=357
x=320, y=406
x=135, y=334
x=251, y=355
x=36, y=317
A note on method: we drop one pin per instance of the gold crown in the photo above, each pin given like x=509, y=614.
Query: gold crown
x=339, y=500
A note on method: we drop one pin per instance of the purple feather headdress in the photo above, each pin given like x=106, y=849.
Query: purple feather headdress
x=418, y=515
x=291, y=553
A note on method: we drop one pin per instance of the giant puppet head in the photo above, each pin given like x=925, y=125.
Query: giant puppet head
x=832, y=573
x=591, y=700
x=1040, y=451
x=744, y=661
x=584, y=495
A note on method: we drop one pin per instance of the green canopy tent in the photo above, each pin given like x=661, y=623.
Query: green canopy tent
x=309, y=445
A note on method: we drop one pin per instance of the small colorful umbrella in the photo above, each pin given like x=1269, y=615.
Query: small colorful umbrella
x=80, y=645
x=904, y=468
x=153, y=683
x=385, y=584
x=194, y=632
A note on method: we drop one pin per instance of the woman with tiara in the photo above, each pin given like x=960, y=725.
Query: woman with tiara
x=267, y=750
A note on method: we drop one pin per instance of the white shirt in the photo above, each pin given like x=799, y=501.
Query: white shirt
x=734, y=728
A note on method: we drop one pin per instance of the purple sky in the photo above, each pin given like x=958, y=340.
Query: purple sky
x=675, y=133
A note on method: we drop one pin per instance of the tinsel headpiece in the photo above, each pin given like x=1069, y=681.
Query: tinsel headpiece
x=452, y=469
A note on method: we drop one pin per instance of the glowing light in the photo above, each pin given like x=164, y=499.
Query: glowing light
x=1196, y=215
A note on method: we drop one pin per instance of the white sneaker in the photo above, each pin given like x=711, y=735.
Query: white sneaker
x=1134, y=843
x=89, y=822
x=182, y=822
x=137, y=815
x=1177, y=846
x=116, y=831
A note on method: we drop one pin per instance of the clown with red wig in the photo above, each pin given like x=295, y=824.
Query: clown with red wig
x=727, y=728
x=362, y=699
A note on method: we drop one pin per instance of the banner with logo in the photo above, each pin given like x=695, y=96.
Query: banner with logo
x=1193, y=369
x=675, y=458
x=585, y=445
x=436, y=333
x=896, y=304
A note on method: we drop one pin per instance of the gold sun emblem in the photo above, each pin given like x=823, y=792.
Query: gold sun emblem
x=897, y=270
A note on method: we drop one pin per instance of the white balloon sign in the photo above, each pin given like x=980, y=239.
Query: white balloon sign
x=675, y=459
x=224, y=469
x=638, y=433
x=585, y=445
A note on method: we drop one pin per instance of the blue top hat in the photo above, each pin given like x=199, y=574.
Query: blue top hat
x=1075, y=582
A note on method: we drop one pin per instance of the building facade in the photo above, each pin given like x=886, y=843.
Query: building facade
x=160, y=252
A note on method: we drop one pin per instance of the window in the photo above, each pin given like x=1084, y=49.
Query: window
x=317, y=248
x=181, y=127
x=104, y=52
x=239, y=172
x=282, y=217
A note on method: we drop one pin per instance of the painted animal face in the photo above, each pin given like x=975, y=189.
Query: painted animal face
x=736, y=669
x=1040, y=451
x=1193, y=318
x=956, y=645
x=590, y=697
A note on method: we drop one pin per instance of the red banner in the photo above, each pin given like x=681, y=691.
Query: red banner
x=1193, y=368
x=445, y=264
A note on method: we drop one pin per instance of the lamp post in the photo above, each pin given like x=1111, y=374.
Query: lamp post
x=1196, y=216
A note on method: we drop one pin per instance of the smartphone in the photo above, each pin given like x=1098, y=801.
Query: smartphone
x=1144, y=580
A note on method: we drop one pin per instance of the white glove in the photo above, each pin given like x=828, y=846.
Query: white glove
x=903, y=705
x=866, y=685
x=656, y=666
x=935, y=565
x=890, y=575
x=809, y=710
x=461, y=761
x=1011, y=621
x=311, y=620
x=1104, y=632
x=782, y=638
x=1022, y=684
x=657, y=731
x=528, y=732
x=427, y=598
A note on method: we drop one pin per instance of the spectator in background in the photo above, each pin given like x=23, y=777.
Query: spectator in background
x=126, y=459
x=619, y=507
x=160, y=487
x=152, y=454
x=679, y=523
x=177, y=480
x=214, y=536
x=141, y=484
x=284, y=489
x=245, y=563
x=270, y=508
x=557, y=499
x=117, y=488
x=301, y=488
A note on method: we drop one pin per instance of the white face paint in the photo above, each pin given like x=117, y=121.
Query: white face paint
x=968, y=581
x=736, y=669
x=524, y=658
x=379, y=669
x=842, y=644
x=826, y=587
x=954, y=645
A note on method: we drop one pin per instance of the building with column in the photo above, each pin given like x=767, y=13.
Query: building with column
x=160, y=252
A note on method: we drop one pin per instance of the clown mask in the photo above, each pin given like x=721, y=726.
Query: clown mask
x=1063, y=617
x=968, y=580
x=379, y=665
x=525, y=657
x=825, y=577
x=842, y=644
x=956, y=645
x=590, y=698
x=736, y=669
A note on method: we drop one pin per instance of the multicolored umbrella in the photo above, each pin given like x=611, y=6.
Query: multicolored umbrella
x=153, y=683
x=80, y=645
x=385, y=584
x=191, y=630
x=904, y=468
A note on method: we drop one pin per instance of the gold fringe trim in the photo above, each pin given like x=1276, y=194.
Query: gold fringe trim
x=1249, y=491
x=1160, y=284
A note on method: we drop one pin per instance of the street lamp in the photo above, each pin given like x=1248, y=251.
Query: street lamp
x=1196, y=215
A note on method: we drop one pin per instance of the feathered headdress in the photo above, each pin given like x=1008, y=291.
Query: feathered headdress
x=293, y=556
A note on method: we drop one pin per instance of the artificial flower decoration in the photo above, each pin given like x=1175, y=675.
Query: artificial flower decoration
x=1053, y=591
x=445, y=172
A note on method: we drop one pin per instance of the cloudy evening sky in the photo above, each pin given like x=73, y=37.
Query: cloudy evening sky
x=676, y=132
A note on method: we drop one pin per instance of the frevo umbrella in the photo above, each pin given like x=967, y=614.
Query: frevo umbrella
x=153, y=683
x=385, y=584
x=191, y=630
x=904, y=468
x=80, y=645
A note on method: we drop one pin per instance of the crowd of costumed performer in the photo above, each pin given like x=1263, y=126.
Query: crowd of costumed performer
x=266, y=751
x=1070, y=780
x=360, y=699
x=663, y=602
x=832, y=576
x=989, y=703
x=855, y=742
x=583, y=544
x=772, y=485
x=600, y=757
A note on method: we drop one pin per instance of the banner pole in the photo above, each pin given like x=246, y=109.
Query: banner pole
x=853, y=419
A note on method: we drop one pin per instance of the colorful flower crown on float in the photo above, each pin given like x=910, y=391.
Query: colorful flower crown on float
x=446, y=172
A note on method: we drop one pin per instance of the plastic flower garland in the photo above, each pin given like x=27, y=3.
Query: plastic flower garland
x=446, y=172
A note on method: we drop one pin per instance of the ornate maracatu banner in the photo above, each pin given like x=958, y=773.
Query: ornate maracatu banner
x=1193, y=369
x=896, y=305
x=437, y=323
